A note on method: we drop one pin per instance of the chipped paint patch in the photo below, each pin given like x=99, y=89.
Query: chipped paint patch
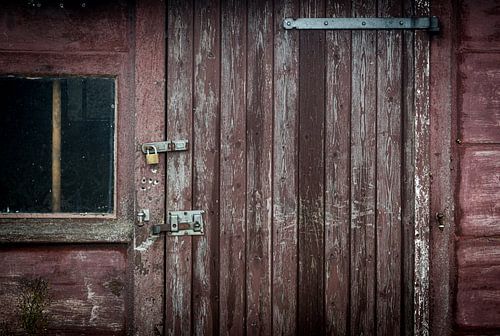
x=146, y=244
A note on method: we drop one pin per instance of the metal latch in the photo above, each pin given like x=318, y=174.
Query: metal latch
x=182, y=223
x=165, y=146
x=423, y=23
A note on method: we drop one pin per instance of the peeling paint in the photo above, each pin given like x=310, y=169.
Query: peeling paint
x=145, y=244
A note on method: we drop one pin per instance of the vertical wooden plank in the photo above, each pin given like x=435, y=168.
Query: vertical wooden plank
x=56, y=146
x=388, y=197
x=443, y=133
x=363, y=174
x=233, y=168
x=408, y=204
x=337, y=172
x=311, y=174
x=285, y=170
x=178, y=258
x=422, y=178
x=206, y=179
x=150, y=122
x=259, y=165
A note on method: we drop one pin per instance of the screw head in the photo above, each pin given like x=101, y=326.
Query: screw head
x=326, y=23
x=288, y=23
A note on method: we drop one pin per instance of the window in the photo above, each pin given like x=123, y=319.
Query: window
x=57, y=140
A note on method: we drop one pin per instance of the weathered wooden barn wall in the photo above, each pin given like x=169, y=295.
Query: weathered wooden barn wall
x=478, y=177
x=88, y=284
x=302, y=158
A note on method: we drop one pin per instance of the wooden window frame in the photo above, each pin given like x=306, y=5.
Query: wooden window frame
x=77, y=227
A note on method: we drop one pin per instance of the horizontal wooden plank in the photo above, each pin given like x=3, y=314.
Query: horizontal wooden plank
x=86, y=286
x=65, y=232
x=479, y=24
x=479, y=105
x=99, y=26
x=479, y=191
x=478, y=288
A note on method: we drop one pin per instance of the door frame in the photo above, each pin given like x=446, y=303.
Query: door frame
x=443, y=166
x=147, y=251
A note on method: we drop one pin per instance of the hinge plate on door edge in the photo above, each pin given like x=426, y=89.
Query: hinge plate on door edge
x=424, y=23
x=182, y=223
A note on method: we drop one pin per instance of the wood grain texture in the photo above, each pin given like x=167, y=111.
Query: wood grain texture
x=479, y=106
x=259, y=167
x=363, y=174
x=206, y=179
x=179, y=125
x=148, y=252
x=100, y=26
x=479, y=193
x=337, y=173
x=311, y=174
x=478, y=27
x=408, y=204
x=87, y=286
x=422, y=176
x=443, y=162
x=478, y=287
x=285, y=172
x=388, y=197
x=233, y=169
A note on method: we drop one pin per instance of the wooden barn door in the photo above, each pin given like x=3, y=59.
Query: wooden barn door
x=303, y=157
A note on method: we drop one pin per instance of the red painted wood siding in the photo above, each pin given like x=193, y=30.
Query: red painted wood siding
x=300, y=141
x=478, y=180
x=87, y=287
x=90, y=285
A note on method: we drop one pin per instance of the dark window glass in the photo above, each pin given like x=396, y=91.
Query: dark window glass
x=57, y=144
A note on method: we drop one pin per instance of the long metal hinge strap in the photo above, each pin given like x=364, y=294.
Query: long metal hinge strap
x=422, y=23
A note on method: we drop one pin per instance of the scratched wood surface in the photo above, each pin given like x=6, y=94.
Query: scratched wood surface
x=363, y=174
x=388, y=176
x=311, y=174
x=407, y=204
x=233, y=172
x=442, y=132
x=259, y=139
x=337, y=173
x=206, y=163
x=302, y=155
x=87, y=287
x=285, y=172
x=148, y=252
x=179, y=125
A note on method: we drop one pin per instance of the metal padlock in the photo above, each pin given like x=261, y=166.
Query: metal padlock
x=152, y=158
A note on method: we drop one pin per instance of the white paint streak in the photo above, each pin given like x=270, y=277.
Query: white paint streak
x=91, y=296
x=145, y=244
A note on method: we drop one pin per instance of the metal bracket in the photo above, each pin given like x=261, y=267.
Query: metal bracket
x=165, y=146
x=422, y=23
x=182, y=223
x=142, y=216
